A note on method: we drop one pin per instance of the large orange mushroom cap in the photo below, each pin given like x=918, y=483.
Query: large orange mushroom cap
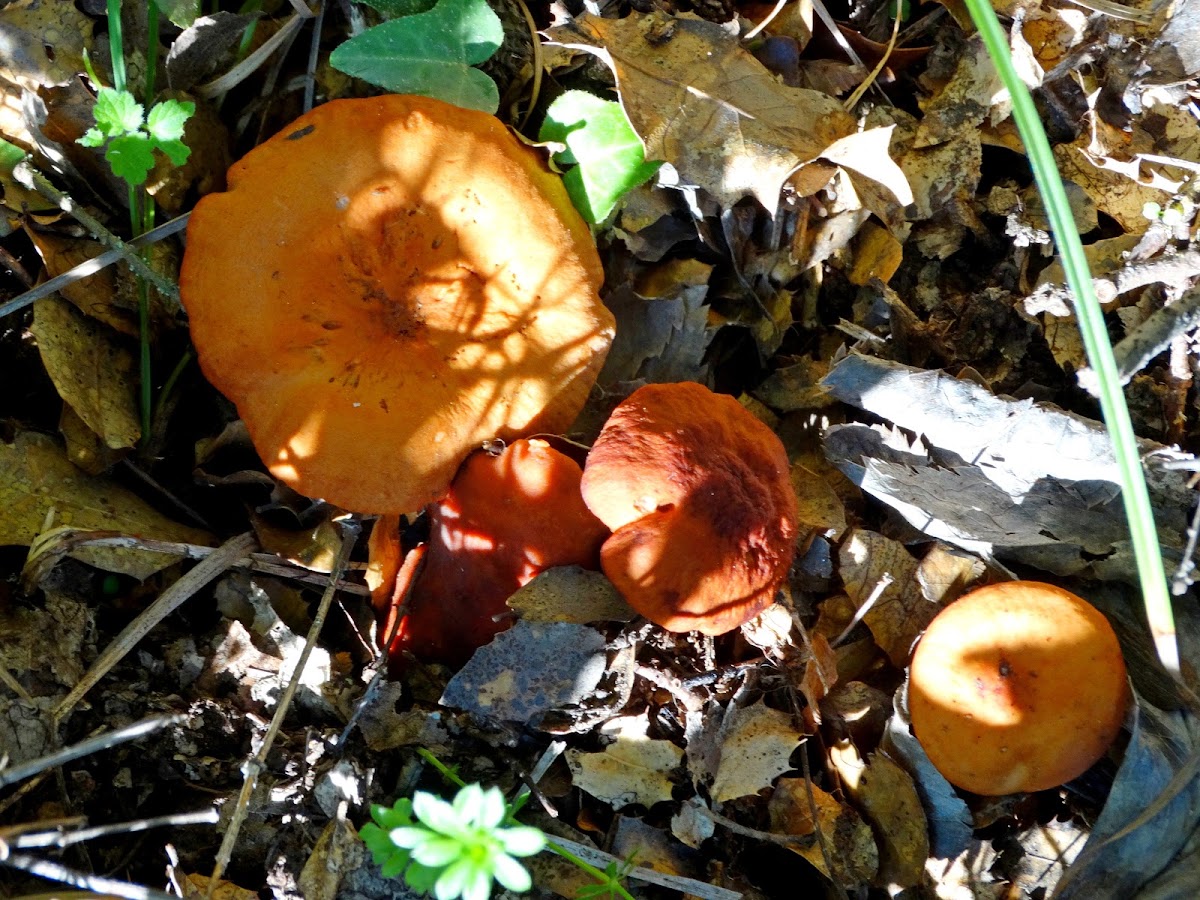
x=386, y=284
x=698, y=495
x=1018, y=686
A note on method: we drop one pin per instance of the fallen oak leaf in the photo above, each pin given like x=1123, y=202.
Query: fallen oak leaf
x=704, y=104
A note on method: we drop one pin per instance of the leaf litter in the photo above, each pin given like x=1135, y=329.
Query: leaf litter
x=875, y=282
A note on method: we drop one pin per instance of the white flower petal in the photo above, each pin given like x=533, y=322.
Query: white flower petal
x=466, y=804
x=522, y=840
x=436, y=813
x=510, y=873
x=409, y=836
x=491, y=809
x=451, y=882
x=437, y=851
x=478, y=886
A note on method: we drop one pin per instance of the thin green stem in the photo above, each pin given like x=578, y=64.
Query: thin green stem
x=116, y=44
x=149, y=84
x=1134, y=493
x=600, y=875
x=445, y=770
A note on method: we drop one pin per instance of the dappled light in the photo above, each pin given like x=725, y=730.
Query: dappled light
x=426, y=289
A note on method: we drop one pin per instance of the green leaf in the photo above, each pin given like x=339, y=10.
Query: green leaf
x=168, y=118
x=176, y=151
x=181, y=12
x=117, y=112
x=131, y=157
x=430, y=53
x=93, y=137
x=10, y=155
x=609, y=155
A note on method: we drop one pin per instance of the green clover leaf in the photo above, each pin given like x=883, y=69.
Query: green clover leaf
x=117, y=112
x=131, y=157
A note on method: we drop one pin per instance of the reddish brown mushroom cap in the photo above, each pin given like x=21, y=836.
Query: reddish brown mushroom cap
x=698, y=494
x=1017, y=686
x=506, y=519
x=386, y=284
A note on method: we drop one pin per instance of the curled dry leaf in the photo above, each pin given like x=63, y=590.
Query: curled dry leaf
x=707, y=106
x=36, y=477
x=634, y=768
x=888, y=800
x=756, y=745
x=93, y=370
x=848, y=839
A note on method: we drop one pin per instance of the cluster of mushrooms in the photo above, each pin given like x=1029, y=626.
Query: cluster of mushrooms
x=391, y=284
x=416, y=285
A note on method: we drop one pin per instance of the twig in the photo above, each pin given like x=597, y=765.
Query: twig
x=770, y=17
x=85, y=748
x=170, y=600
x=783, y=840
x=94, y=883
x=885, y=581
x=314, y=51
x=350, y=531
x=690, y=886
x=246, y=67
x=852, y=100
x=29, y=177
x=60, y=838
x=538, y=63
x=1154, y=335
x=94, y=265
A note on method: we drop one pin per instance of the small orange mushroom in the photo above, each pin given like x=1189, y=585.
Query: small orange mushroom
x=506, y=519
x=698, y=495
x=387, y=284
x=1018, y=686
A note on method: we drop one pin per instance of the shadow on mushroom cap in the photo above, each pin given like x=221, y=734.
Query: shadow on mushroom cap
x=385, y=285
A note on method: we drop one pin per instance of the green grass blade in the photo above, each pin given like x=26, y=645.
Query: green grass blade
x=1095, y=338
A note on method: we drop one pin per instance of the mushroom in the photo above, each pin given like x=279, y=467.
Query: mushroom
x=506, y=519
x=1018, y=686
x=698, y=495
x=387, y=284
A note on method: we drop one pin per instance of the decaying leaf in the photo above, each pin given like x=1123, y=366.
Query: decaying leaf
x=571, y=594
x=1150, y=812
x=527, y=671
x=707, y=106
x=1042, y=483
x=659, y=339
x=820, y=508
x=756, y=743
x=885, y=795
x=92, y=368
x=901, y=611
x=337, y=852
x=43, y=41
x=38, y=484
x=634, y=768
x=45, y=643
x=848, y=839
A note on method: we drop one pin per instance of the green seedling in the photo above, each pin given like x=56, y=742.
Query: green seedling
x=603, y=157
x=429, y=50
x=130, y=136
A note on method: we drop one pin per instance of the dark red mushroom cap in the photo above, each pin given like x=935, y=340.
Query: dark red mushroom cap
x=506, y=519
x=698, y=495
